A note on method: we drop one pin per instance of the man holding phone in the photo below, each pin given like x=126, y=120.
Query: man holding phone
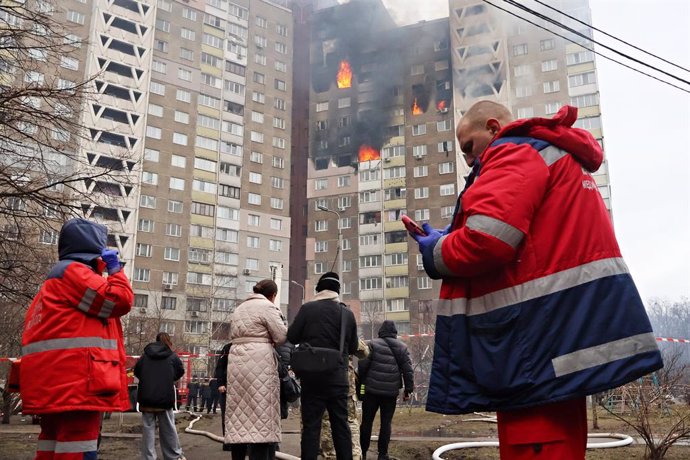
x=536, y=311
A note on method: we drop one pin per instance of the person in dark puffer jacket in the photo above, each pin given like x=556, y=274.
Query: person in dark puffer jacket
x=383, y=374
x=157, y=370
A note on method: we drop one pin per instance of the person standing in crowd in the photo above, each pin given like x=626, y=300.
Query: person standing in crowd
x=73, y=356
x=537, y=310
x=221, y=375
x=157, y=370
x=253, y=388
x=205, y=394
x=327, y=447
x=284, y=353
x=213, y=402
x=384, y=373
x=318, y=323
x=193, y=394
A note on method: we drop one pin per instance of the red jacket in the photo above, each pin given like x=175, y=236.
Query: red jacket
x=72, y=349
x=536, y=305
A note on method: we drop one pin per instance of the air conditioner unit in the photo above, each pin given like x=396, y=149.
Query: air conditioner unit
x=443, y=110
x=419, y=156
x=246, y=272
x=167, y=287
x=195, y=314
x=142, y=310
x=387, y=160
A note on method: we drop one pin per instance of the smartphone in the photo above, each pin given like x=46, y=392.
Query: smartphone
x=412, y=227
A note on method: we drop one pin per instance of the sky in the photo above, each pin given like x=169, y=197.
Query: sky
x=646, y=127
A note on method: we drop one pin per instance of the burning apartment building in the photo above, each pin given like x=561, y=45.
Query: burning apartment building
x=380, y=145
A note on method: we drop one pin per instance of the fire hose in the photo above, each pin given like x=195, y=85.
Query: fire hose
x=190, y=429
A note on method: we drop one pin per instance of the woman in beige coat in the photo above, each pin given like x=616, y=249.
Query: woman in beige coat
x=252, y=417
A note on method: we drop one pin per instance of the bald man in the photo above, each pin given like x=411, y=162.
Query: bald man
x=537, y=308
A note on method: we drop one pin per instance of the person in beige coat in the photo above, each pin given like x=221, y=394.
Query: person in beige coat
x=252, y=416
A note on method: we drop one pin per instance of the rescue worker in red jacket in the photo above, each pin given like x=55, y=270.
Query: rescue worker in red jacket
x=537, y=308
x=72, y=348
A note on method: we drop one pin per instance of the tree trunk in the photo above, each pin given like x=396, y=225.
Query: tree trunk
x=595, y=417
x=6, y=407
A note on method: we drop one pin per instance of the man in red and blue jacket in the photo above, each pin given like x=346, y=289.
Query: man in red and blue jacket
x=537, y=308
x=73, y=355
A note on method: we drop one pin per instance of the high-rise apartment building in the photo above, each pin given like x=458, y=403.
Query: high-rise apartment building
x=194, y=102
x=384, y=102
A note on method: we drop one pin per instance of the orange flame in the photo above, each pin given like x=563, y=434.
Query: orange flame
x=416, y=110
x=367, y=153
x=442, y=106
x=344, y=75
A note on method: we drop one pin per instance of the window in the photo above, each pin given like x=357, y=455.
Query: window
x=261, y=22
x=581, y=79
x=549, y=66
x=278, y=162
x=184, y=74
x=210, y=80
x=179, y=139
x=279, y=103
x=183, y=96
x=253, y=242
x=226, y=258
x=206, y=143
x=579, y=57
x=260, y=59
x=321, y=106
x=255, y=178
x=149, y=178
x=170, y=278
x=168, y=303
x=145, y=225
x=586, y=100
x=142, y=275
x=552, y=86
x=281, y=30
x=254, y=198
x=158, y=66
x=368, y=284
x=551, y=107
x=189, y=14
x=199, y=278
x=203, y=186
x=548, y=44
x=319, y=268
x=176, y=183
x=200, y=231
x=235, y=87
x=260, y=41
x=73, y=16
x=281, y=48
x=394, y=173
x=251, y=264
x=279, y=142
x=146, y=201
x=588, y=123
x=522, y=70
x=277, y=203
x=209, y=101
x=175, y=206
x=399, y=258
x=259, y=78
x=419, y=151
x=227, y=235
x=280, y=85
x=277, y=182
x=446, y=167
x=420, y=171
x=202, y=209
x=278, y=123
x=173, y=230
x=212, y=40
x=258, y=97
x=344, y=102
x=421, y=214
x=525, y=112
x=225, y=212
x=230, y=169
x=418, y=130
x=320, y=225
x=280, y=66
x=181, y=117
x=143, y=250
x=421, y=193
x=162, y=25
x=276, y=224
x=275, y=245
x=321, y=246
x=520, y=50
x=172, y=254
x=178, y=161
x=447, y=189
x=196, y=327
x=445, y=125
x=165, y=5
x=256, y=136
x=188, y=34
x=523, y=91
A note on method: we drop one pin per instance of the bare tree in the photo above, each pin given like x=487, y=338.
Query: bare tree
x=45, y=177
x=371, y=315
x=648, y=406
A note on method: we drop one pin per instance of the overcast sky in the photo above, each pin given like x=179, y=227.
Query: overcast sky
x=646, y=134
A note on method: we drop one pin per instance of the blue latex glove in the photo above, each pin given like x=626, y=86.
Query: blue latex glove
x=112, y=262
x=446, y=230
x=428, y=241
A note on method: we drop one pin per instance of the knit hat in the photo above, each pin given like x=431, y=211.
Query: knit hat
x=329, y=281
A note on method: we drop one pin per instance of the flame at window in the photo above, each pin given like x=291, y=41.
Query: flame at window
x=416, y=109
x=344, y=75
x=442, y=106
x=368, y=153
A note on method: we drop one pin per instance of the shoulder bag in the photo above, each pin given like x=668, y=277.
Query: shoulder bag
x=307, y=359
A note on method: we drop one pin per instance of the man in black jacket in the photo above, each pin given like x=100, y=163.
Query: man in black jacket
x=157, y=370
x=383, y=374
x=221, y=376
x=318, y=323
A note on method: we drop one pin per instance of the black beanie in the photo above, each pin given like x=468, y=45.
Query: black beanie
x=329, y=281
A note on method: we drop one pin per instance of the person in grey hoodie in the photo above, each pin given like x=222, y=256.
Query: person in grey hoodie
x=157, y=370
x=384, y=372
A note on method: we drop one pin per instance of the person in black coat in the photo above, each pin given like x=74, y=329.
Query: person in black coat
x=221, y=376
x=383, y=374
x=157, y=370
x=318, y=323
x=193, y=394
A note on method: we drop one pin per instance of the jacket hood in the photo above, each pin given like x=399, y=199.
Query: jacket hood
x=327, y=295
x=82, y=240
x=157, y=350
x=558, y=131
x=388, y=329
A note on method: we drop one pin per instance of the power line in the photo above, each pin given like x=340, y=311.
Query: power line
x=612, y=36
x=580, y=34
x=588, y=49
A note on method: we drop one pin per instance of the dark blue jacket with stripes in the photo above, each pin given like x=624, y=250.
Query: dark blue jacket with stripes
x=536, y=304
